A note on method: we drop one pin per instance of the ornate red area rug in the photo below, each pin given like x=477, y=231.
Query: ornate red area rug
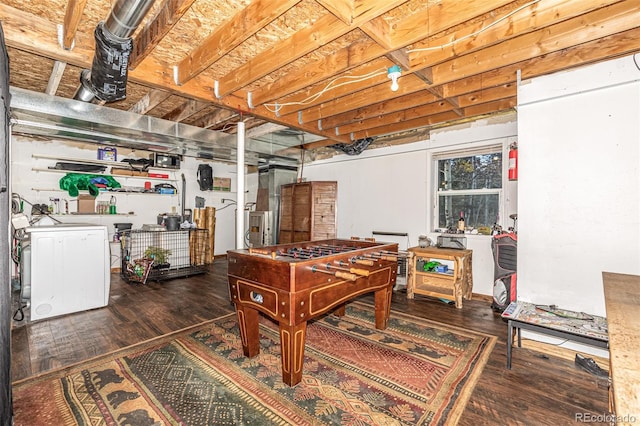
x=416, y=372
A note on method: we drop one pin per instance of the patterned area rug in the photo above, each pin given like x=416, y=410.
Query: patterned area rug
x=416, y=372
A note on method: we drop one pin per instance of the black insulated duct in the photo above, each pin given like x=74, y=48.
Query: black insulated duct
x=354, y=148
x=107, y=79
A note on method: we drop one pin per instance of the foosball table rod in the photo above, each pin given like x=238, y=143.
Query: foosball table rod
x=338, y=274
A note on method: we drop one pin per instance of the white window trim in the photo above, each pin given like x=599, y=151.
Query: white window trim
x=455, y=151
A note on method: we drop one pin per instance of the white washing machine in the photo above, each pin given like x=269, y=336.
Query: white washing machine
x=67, y=269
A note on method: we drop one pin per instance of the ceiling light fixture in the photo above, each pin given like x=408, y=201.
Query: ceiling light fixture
x=393, y=73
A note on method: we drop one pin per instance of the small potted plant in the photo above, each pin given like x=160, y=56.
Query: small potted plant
x=159, y=256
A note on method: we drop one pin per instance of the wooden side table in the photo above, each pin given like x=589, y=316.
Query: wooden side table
x=454, y=284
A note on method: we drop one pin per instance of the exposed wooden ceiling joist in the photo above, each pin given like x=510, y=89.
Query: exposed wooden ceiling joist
x=320, y=66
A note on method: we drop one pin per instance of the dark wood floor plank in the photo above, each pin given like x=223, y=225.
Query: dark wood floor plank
x=539, y=389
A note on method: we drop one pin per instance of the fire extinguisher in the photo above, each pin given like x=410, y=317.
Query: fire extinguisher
x=513, y=161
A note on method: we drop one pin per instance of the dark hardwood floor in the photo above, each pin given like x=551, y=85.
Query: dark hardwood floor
x=540, y=389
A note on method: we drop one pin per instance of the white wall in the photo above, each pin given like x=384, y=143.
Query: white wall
x=389, y=189
x=38, y=187
x=579, y=183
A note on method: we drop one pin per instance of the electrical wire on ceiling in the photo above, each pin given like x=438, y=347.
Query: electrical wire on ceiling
x=481, y=30
x=275, y=107
x=330, y=85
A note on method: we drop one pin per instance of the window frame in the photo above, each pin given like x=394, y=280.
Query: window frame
x=456, y=152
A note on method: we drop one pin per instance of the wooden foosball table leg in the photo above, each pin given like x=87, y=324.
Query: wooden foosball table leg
x=292, y=341
x=341, y=310
x=383, y=307
x=249, y=330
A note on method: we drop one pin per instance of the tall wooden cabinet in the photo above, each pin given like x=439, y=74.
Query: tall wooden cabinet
x=308, y=211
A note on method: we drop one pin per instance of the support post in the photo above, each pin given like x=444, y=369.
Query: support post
x=240, y=188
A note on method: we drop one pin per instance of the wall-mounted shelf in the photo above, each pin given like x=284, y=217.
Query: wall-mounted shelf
x=96, y=161
x=92, y=214
x=39, y=169
x=104, y=192
x=78, y=160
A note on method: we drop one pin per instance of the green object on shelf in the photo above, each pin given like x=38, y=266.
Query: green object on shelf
x=73, y=182
x=431, y=266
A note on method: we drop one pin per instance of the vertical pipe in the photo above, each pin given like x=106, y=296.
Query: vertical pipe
x=240, y=187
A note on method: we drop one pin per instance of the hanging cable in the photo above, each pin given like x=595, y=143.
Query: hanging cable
x=481, y=30
x=330, y=85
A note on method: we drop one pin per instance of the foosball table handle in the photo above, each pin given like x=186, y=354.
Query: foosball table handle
x=361, y=272
x=346, y=275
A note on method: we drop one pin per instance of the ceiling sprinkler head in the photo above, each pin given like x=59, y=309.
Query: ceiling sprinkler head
x=393, y=73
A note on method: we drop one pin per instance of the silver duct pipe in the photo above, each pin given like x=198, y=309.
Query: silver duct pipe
x=114, y=33
x=125, y=16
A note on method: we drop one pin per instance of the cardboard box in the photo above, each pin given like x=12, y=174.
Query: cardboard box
x=86, y=204
x=221, y=184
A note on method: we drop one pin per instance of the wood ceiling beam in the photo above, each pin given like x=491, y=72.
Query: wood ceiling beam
x=610, y=47
x=185, y=110
x=550, y=13
x=317, y=72
x=355, y=55
x=72, y=16
x=400, y=57
x=395, y=117
x=165, y=18
x=602, y=22
x=55, y=77
x=215, y=118
x=605, y=48
x=342, y=9
x=408, y=84
x=36, y=35
x=503, y=91
x=323, y=31
x=233, y=32
x=501, y=105
x=588, y=27
x=39, y=36
x=156, y=74
x=471, y=99
x=399, y=127
x=379, y=30
x=149, y=101
x=489, y=107
x=378, y=109
x=264, y=129
x=479, y=35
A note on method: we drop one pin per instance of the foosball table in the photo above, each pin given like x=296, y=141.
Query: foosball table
x=294, y=283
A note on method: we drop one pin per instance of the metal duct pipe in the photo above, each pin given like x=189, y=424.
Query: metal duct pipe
x=125, y=16
x=107, y=78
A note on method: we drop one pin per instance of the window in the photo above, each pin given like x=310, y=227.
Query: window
x=469, y=185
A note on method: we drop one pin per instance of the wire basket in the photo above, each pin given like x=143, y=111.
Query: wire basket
x=138, y=270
